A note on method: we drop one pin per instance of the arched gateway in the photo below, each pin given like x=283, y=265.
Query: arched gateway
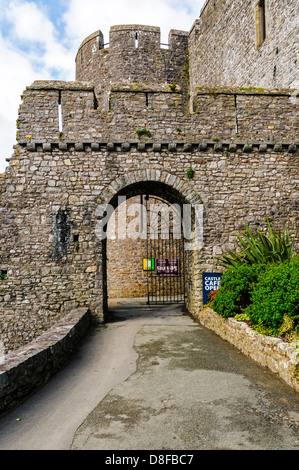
x=168, y=237
x=140, y=126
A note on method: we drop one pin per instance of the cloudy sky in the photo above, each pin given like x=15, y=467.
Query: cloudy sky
x=39, y=40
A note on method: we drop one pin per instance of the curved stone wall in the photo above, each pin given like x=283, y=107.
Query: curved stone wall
x=134, y=55
x=280, y=357
x=31, y=366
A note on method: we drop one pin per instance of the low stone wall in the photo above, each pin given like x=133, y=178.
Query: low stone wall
x=31, y=366
x=279, y=356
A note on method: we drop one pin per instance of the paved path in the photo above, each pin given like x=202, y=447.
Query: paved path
x=154, y=379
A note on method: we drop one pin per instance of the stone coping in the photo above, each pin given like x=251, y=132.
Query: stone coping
x=280, y=357
x=89, y=38
x=30, y=366
x=146, y=87
x=60, y=85
x=133, y=27
x=79, y=85
x=127, y=146
x=251, y=90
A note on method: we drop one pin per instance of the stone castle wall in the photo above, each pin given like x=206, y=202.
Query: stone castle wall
x=241, y=142
x=227, y=113
x=52, y=195
x=223, y=45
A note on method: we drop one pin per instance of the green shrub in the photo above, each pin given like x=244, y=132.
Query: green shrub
x=235, y=289
x=256, y=247
x=290, y=328
x=261, y=284
x=275, y=296
x=242, y=317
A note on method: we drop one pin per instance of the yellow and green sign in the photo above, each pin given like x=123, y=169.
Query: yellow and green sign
x=148, y=264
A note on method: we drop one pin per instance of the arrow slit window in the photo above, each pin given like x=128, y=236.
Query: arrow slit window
x=260, y=21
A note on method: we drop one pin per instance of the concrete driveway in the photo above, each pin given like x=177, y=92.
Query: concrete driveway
x=153, y=379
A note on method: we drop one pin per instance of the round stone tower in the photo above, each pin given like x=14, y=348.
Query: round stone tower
x=133, y=55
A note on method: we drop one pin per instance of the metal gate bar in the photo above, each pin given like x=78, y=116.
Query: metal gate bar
x=165, y=288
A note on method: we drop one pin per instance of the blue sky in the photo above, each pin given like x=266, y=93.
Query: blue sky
x=39, y=40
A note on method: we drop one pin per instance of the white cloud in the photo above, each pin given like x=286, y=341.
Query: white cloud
x=16, y=72
x=83, y=18
x=34, y=47
x=30, y=23
x=30, y=50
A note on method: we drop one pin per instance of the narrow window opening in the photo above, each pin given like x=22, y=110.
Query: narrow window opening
x=3, y=274
x=59, y=113
x=236, y=111
x=95, y=102
x=62, y=230
x=136, y=40
x=76, y=241
x=146, y=99
x=263, y=19
x=260, y=16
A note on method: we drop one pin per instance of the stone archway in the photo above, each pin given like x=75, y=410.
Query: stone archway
x=172, y=189
x=182, y=187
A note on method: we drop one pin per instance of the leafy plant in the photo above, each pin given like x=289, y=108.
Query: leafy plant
x=173, y=87
x=260, y=248
x=190, y=173
x=276, y=296
x=242, y=317
x=141, y=132
x=290, y=327
x=3, y=276
x=186, y=68
x=236, y=286
x=261, y=283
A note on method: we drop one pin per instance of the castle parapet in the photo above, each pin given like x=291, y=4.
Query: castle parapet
x=52, y=108
x=134, y=55
x=54, y=111
x=127, y=37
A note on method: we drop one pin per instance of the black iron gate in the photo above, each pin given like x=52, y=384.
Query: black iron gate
x=165, y=262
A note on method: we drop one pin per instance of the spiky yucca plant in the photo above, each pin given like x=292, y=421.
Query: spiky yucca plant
x=259, y=248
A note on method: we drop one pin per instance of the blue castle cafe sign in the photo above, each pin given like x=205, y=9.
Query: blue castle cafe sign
x=210, y=282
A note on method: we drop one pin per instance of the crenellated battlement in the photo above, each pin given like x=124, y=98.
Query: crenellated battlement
x=128, y=37
x=69, y=111
x=134, y=55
